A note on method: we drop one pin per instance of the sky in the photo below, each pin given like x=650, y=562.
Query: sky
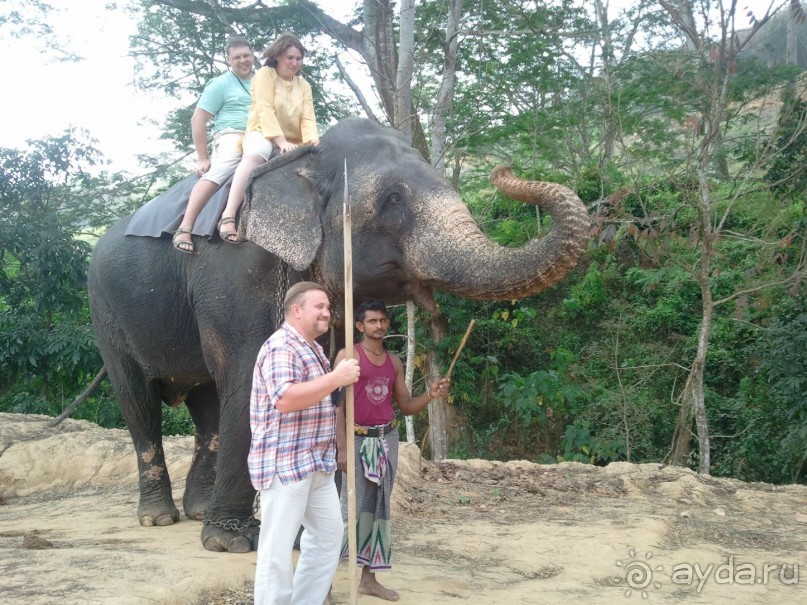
x=95, y=93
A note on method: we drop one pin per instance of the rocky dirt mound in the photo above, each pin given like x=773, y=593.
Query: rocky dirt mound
x=465, y=531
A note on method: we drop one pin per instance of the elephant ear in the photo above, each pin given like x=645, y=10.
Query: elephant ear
x=281, y=213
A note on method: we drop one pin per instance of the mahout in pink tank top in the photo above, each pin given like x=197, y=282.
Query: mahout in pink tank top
x=373, y=391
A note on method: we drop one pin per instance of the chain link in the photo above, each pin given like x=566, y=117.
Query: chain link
x=233, y=524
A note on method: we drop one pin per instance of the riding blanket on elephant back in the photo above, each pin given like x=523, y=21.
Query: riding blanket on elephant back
x=163, y=214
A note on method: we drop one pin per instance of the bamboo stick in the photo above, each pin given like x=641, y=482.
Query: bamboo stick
x=349, y=399
x=462, y=345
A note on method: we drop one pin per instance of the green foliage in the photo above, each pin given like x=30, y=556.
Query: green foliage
x=784, y=364
x=580, y=445
x=48, y=355
x=18, y=19
x=588, y=297
x=177, y=421
x=503, y=81
x=46, y=339
x=594, y=183
x=537, y=397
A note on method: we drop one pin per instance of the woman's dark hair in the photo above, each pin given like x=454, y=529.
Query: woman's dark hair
x=369, y=305
x=279, y=46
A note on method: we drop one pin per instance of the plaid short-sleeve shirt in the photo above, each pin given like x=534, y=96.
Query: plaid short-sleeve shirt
x=291, y=445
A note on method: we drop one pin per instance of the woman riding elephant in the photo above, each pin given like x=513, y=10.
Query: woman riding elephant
x=281, y=116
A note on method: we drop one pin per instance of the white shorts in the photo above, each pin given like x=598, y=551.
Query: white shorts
x=256, y=144
x=226, y=155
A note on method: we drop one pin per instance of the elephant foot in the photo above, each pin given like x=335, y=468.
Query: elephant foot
x=196, y=499
x=158, y=518
x=197, y=514
x=195, y=509
x=199, y=486
x=240, y=540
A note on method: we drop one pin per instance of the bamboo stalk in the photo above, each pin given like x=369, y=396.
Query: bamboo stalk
x=462, y=345
x=349, y=399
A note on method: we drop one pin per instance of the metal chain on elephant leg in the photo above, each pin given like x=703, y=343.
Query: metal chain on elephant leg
x=235, y=525
x=280, y=293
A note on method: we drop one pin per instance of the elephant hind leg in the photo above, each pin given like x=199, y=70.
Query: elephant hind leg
x=141, y=406
x=203, y=405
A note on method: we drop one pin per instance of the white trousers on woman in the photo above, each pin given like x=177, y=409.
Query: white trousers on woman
x=314, y=504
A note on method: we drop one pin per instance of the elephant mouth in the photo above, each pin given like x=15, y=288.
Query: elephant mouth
x=388, y=281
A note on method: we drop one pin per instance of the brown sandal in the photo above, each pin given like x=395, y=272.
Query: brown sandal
x=182, y=246
x=231, y=237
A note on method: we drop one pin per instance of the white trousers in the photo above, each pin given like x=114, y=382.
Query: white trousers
x=314, y=504
x=226, y=155
x=256, y=144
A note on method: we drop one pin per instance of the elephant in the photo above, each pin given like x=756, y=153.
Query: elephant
x=187, y=328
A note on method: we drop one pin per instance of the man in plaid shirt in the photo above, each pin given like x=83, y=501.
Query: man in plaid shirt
x=292, y=455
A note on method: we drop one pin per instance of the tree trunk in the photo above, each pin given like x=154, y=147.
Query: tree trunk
x=410, y=363
x=696, y=388
x=682, y=437
x=404, y=113
x=440, y=413
x=380, y=52
x=610, y=116
x=792, y=57
x=443, y=105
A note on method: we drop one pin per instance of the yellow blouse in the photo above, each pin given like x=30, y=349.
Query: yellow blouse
x=282, y=107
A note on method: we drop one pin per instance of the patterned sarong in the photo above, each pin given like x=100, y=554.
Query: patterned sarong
x=373, y=454
x=373, y=526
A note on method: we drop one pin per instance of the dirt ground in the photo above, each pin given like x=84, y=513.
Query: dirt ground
x=464, y=531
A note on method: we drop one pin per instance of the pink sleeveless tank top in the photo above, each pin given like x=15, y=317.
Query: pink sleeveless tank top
x=373, y=391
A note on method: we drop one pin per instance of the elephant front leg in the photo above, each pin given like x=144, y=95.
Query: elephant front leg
x=229, y=524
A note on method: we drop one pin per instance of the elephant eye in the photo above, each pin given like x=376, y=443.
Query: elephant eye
x=391, y=208
x=392, y=199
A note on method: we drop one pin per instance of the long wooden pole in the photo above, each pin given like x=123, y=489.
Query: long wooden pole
x=349, y=401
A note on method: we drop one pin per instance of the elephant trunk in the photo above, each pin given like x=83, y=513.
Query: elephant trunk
x=470, y=265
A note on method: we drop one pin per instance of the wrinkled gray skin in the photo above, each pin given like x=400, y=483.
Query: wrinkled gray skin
x=175, y=327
